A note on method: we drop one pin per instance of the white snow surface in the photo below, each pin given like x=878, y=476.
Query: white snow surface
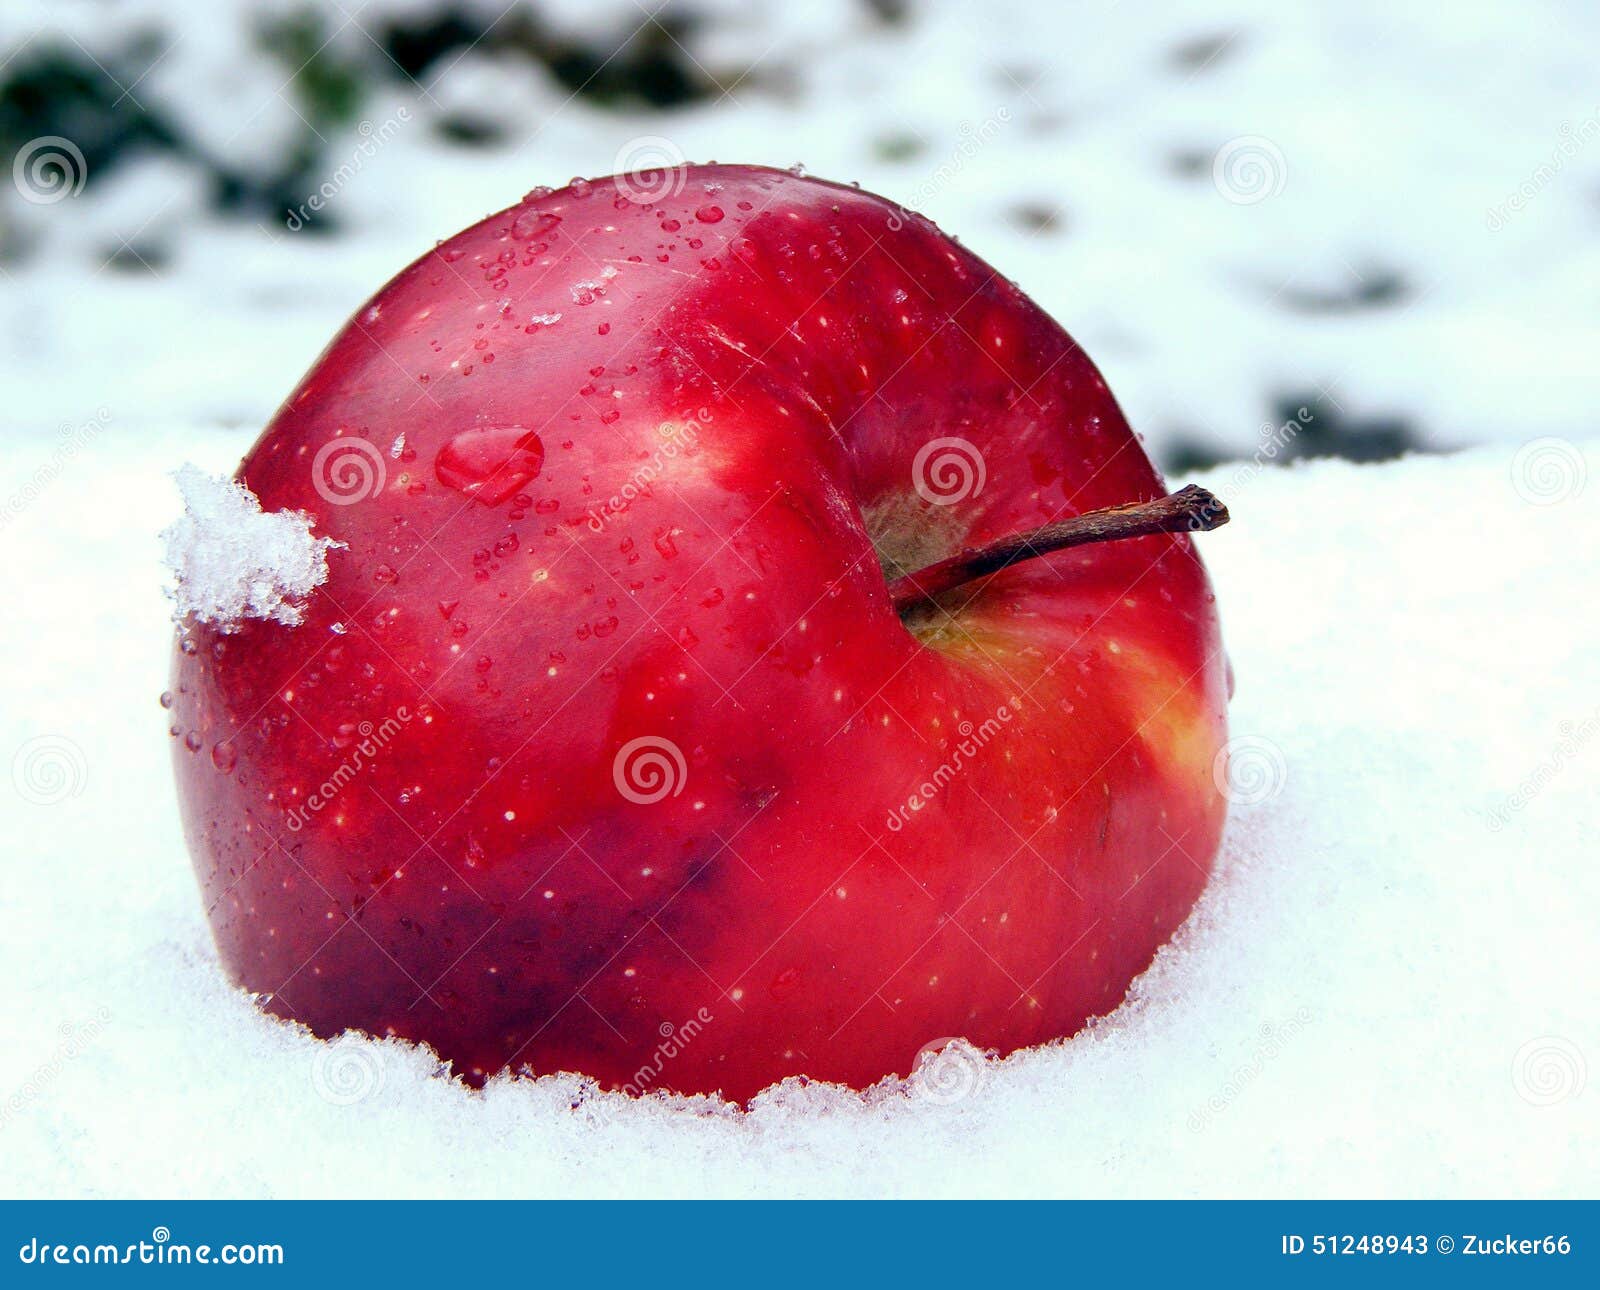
x=1388, y=989
x=1229, y=203
x=230, y=561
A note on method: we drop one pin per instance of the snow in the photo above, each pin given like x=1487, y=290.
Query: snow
x=230, y=561
x=1387, y=990
x=1230, y=203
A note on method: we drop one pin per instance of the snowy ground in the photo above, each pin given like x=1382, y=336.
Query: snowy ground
x=1389, y=989
x=1391, y=210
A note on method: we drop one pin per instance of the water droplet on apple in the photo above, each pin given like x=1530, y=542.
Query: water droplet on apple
x=533, y=224
x=490, y=465
x=166, y=699
x=224, y=756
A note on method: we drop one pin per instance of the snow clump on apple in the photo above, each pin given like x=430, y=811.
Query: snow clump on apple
x=232, y=561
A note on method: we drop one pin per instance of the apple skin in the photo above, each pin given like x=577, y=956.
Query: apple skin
x=487, y=646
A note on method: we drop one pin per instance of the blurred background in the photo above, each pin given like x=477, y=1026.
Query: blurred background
x=1371, y=223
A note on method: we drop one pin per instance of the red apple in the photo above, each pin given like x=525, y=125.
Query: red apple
x=605, y=748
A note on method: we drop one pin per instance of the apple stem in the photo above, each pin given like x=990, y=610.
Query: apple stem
x=1189, y=510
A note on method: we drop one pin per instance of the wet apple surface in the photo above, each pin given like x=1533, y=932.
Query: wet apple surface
x=605, y=720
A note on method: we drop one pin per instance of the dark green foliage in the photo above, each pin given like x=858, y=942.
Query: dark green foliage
x=100, y=104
